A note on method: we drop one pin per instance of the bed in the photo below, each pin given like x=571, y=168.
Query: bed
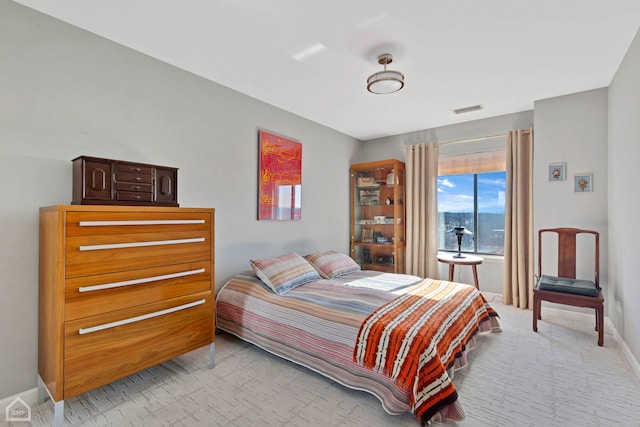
x=399, y=337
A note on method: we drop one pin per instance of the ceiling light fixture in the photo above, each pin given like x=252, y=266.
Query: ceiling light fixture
x=386, y=81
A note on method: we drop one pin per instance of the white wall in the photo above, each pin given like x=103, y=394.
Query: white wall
x=573, y=129
x=65, y=92
x=624, y=201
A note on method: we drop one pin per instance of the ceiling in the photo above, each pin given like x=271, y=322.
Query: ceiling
x=313, y=58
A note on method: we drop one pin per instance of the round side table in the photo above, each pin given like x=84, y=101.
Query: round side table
x=472, y=260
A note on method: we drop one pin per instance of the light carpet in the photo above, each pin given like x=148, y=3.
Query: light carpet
x=556, y=377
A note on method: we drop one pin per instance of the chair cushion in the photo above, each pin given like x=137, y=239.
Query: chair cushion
x=567, y=286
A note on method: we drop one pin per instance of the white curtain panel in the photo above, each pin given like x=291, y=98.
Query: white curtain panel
x=422, y=210
x=518, y=223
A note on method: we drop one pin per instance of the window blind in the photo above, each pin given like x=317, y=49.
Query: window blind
x=487, y=161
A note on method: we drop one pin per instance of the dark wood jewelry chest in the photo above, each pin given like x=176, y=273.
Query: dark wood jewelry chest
x=98, y=181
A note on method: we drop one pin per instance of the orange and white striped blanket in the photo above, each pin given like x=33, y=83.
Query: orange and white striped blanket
x=416, y=337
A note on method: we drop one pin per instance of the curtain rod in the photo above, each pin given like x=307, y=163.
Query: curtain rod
x=501, y=135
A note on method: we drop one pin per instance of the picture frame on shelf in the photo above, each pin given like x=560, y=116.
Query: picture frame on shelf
x=557, y=172
x=583, y=183
x=367, y=234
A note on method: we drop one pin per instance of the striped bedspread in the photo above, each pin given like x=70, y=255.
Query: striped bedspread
x=416, y=337
x=316, y=325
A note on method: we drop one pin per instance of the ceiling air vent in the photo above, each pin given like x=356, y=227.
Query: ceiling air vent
x=468, y=109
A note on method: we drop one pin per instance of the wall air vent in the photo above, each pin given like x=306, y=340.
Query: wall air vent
x=468, y=109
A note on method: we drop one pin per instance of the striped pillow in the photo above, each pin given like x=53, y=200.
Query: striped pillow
x=285, y=272
x=332, y=264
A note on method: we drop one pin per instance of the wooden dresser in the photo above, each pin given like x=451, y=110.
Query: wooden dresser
x=122, y=288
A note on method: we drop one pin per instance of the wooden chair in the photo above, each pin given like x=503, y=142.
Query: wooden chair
x=564, y=288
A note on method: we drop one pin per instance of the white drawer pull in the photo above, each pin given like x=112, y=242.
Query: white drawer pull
x=139, y=281
x=140, y=244
x=141, y=222
x=83, y=331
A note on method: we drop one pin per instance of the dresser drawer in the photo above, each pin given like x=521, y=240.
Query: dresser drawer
x=127, y=196
x=91, y=295
x=133, y=187
x=106, y=347
x=101, y=223
x=133, y=168
x=134, y=177
x=92, y=255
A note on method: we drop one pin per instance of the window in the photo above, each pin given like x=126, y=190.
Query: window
x=471, y=194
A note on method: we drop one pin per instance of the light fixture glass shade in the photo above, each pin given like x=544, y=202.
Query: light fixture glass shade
x=387, y=81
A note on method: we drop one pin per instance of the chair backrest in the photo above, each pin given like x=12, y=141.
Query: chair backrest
x=567, y=251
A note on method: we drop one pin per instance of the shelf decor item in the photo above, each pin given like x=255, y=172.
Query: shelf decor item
x=99, y=181
x=369, y=197
x=367, y=181
x=379, y=219
x=280, y=182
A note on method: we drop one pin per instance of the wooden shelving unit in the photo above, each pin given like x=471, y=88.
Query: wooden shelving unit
x=378, y=215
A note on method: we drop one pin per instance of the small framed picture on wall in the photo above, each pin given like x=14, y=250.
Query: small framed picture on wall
x=583, y=183
x=557, y=171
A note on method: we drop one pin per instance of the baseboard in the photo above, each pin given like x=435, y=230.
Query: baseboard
x=625, y=349
x=30, y=397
